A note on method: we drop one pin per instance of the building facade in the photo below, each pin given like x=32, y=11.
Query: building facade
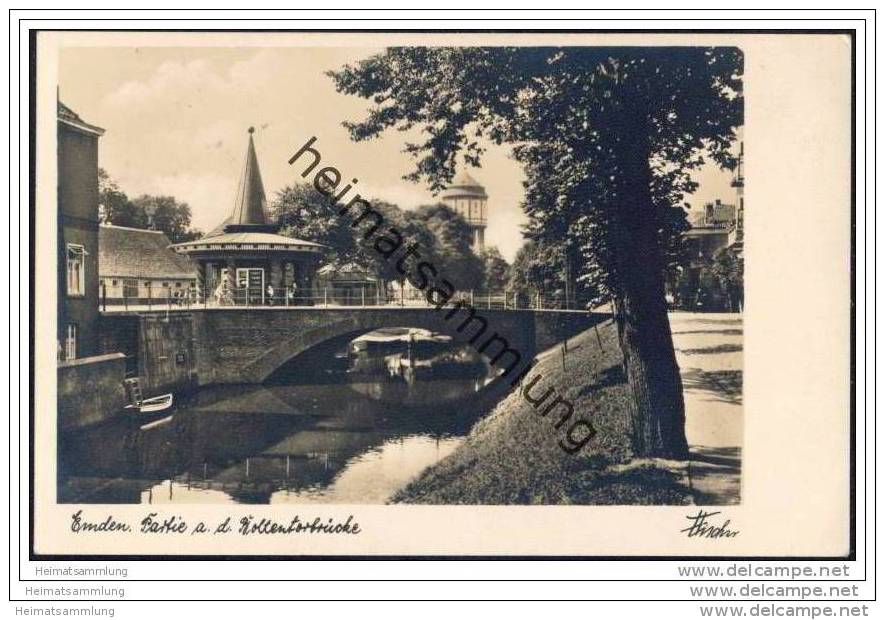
x=136, y=266
x=467, y=197
x=349, y=285
x=244, y=261
x=711, y=275
x=78, y=288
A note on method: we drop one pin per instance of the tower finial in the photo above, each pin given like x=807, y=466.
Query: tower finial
x=250, y=200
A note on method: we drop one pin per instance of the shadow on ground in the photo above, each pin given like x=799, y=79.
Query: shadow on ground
x=717, y=332
x=718, y=472
x=644, y=485
x=613, y=375
x=724, y=385
x=713, y=321
x=720, y=348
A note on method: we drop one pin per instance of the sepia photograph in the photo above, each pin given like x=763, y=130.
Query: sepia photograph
x=449, y=275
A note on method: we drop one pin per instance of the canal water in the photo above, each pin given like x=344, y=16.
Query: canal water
x=351, y=422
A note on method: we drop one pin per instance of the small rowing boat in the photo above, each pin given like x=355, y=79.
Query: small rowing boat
x=152, y=405
x=147, y=410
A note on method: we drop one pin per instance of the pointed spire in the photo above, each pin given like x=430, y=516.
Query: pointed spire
x=250, y=200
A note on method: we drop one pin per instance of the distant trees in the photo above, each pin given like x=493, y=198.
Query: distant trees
x=535, y=270
x=495, y=271
x=728, y=269
x=302, y=212
x=543, y=267
x=452, y=252
x=441, y=236
x=162, y=213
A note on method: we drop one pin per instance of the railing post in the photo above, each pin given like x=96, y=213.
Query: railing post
x=104, y=297
x=149, y=295
x=325, y=297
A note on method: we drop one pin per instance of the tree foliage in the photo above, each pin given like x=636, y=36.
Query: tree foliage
x=572, y=114
x=728, y=269
x=608, y=138
x=167, y=214
x=452, y=252
x=496, y=270
x=304, y=213
x=441, y=236
x=162, y=213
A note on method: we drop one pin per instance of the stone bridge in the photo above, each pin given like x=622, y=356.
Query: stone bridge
x=241, y=345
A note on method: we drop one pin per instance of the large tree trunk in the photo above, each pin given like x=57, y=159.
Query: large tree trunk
x=650, y=365
x=643, y=326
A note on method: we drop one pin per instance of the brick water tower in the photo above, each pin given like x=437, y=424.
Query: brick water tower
x=466, y=196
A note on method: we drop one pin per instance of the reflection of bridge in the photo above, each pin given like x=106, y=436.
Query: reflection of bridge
x=246, y=345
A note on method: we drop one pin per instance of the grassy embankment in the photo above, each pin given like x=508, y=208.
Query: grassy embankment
x=512, y=455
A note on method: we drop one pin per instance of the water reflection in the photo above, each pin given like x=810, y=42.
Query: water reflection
x=352, y=422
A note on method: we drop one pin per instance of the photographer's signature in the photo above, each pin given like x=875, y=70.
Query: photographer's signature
x=701, y=528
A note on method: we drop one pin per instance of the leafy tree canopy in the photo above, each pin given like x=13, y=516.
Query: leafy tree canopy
x=162, y=213
x=441, y=236
x=495, y=269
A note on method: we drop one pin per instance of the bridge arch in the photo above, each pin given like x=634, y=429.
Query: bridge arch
x=238, y=345
x=517, y=331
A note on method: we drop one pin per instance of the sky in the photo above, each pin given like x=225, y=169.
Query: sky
x=176, y=121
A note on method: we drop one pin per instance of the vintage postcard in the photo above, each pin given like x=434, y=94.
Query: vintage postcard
x=443, y=294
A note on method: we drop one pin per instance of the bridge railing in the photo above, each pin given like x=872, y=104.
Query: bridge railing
x=332, y=297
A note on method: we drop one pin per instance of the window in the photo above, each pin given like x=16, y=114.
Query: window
x=76, y=270
x=130, y=288
x=71, y=342
x=178, y=285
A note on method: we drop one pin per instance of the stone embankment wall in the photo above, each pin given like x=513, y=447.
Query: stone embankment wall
x=90, y=390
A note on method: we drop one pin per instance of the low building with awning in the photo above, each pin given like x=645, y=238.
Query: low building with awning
x=136, y=266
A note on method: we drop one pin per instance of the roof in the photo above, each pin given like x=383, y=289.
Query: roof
x=714, y=214
x=250, y=200
x=464, y=185
x=138, y=253
x=71, y=119
x=346, y=272
x=244, y=240
x=219, y=230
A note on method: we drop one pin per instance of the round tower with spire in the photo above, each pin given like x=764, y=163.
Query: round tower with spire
x=244, y=260
x=466, y=196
